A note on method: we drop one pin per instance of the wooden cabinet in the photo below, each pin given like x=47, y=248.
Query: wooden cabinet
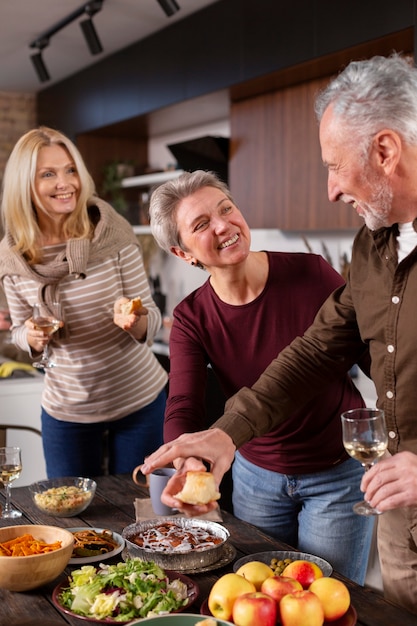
x=276, y=173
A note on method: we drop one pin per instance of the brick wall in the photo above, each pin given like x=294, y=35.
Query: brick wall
x=18, y=114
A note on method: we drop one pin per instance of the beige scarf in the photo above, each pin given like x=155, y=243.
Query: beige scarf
x=111, y=233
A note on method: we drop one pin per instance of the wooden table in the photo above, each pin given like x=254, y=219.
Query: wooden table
x=113, y=507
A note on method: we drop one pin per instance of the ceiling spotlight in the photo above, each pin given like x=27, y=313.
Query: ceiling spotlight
x=90, y=8
x=38, y=62
x=169, y=6
x=91, y=37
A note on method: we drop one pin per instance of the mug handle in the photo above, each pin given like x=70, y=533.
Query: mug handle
x=135, y=473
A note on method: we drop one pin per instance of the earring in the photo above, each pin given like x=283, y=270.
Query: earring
x=192, y=263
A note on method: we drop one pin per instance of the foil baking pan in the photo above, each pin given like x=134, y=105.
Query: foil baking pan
x=177, y=560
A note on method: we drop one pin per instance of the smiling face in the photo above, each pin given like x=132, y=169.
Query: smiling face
x=211, y=229
x=350, y=178
x=57, y=183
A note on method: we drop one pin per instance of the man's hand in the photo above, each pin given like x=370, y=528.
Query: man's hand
x=213, y=446
x=392, y=482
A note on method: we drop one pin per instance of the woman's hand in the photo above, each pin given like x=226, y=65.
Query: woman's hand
x=136, y=324
x=36, y=338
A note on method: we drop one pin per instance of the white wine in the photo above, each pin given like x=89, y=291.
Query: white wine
x=9, y=473
x=47, y=324
x=365, y=453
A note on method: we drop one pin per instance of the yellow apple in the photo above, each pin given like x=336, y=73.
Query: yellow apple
x=224, y=593
x=278, y=586
x=255, y=609
x=301, y=608
x=303, y=571
x=333, y=595
x=256, y=572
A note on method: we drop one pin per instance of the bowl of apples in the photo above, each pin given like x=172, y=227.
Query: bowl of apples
x=300, y=594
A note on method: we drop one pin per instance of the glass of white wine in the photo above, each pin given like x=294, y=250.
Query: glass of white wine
x=10, y=470
x=49, y=324
x=365, y=439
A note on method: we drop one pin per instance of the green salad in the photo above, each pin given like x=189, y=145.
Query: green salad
x=123, y=591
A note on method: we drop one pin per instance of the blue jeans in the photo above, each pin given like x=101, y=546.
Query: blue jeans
x=311, y=512
x=73, y=449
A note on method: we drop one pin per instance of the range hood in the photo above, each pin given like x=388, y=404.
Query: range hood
x=203, y=153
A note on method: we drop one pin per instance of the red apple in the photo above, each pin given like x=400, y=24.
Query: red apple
x=301, y=607
x=279, y=586
x=254, y=609
x=333, y=595
x=303, y=571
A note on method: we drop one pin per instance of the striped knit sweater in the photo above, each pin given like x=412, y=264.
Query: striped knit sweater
x=102, y=372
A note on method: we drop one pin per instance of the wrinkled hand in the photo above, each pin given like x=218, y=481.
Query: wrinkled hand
x=135, y=323
x=392, y=482
x=214, y=446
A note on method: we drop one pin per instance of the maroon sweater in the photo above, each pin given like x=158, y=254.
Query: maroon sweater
x=239, y=342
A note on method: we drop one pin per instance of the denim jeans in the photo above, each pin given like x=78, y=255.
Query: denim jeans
x=73, y=449
x=311, y=512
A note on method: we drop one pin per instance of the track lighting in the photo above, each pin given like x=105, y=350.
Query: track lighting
x=91, y=37
x=169, y=6
x=87, y=27
x=38, y=62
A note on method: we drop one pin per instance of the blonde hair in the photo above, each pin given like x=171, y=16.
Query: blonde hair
x=18, y=214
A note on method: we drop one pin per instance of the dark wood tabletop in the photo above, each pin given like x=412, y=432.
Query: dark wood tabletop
x=113, y=508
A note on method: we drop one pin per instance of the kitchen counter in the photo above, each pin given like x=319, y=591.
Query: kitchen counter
x=20, y=404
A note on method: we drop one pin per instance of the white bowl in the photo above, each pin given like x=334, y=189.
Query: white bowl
x=21, y=573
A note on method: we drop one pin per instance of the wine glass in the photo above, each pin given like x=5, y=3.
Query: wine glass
x=365, y=439
x=10, y=470
x=49, y=324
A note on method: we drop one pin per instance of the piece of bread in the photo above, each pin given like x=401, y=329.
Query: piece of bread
x=131, y=306
x=199, y=488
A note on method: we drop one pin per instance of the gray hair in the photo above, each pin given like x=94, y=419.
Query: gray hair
x=165, y=199
x=370, y=95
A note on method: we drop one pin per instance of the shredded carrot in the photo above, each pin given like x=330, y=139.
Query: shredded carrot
x=26, y=545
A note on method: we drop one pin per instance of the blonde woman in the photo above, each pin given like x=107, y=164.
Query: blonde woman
x=63, y=244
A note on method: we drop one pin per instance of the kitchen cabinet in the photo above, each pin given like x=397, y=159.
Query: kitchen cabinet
x=275, y=169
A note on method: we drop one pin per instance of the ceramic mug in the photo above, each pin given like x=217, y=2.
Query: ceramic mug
x=157, y=482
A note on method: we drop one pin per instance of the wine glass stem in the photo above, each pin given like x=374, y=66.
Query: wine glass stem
x=7, y=506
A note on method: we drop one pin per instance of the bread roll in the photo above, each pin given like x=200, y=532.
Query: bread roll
x=131, y=306
x=199, y=488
